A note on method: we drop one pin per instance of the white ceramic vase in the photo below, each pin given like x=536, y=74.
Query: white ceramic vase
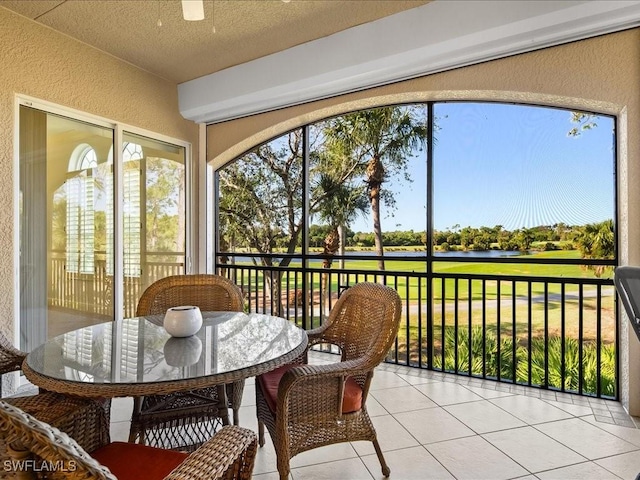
x=182, y=321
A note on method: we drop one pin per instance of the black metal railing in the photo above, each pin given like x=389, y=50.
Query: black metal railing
x=557, y=333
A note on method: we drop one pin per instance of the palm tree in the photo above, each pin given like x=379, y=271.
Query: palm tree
x=379, y=141
x=341, y=204
x=524, y=238
x=597, y=241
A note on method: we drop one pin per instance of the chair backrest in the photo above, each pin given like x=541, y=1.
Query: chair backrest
x=211, y=293
x=364, y=322
x=65, y=458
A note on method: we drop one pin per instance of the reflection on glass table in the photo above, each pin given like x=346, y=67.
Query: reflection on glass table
x=182, y=351
x=136, y=356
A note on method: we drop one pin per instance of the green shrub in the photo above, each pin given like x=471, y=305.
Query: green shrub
x=474, y=365
x=572, y=365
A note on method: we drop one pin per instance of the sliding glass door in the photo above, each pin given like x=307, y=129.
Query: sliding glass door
x=154, y=214
x=79, y=215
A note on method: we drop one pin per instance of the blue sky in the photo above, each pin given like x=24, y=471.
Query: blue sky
x=509, y=165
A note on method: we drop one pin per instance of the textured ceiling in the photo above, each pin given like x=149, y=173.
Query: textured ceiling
x=180, y=50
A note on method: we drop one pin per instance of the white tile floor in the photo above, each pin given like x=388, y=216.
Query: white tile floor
x=436, y=426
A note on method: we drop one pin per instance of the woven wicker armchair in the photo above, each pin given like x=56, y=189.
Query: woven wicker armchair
x=36, y=446
x=185, y=420
x=85, y=419
x=309, y=406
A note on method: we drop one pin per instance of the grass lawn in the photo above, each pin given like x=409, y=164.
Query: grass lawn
x=476, y=296
x=412, y=289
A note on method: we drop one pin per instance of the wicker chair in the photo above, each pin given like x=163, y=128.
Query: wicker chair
x=308, y=406
x=86, y=420
x=184, y=421
x=10, y=358
x=36, y=446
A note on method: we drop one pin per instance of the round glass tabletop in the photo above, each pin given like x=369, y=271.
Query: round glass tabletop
x=138, y=353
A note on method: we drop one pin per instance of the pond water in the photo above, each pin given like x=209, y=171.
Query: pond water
x=417, y=254
x=484, y=254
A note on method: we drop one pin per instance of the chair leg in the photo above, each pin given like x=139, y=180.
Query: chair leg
x=283, y=468
x=134, y=429
x=260, y=433
x=284, y=476
x=385, y=468
x=223, y=406
x=236, y=417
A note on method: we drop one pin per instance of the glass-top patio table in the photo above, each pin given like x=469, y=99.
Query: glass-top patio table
x=137, y=357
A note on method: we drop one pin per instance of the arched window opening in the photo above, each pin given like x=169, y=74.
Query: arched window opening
x=496, y=223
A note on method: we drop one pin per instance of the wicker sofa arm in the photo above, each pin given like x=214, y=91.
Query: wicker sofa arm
x=230, y=454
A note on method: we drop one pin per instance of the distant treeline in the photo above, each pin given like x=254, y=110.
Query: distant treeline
x=546, y=237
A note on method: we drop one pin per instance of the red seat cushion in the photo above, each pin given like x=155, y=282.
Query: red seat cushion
x=352, y=401
x=132, y=461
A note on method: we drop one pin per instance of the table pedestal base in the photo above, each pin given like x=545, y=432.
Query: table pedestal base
x=180, y=421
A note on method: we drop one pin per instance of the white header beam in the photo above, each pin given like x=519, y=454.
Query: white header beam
x=438, y=36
